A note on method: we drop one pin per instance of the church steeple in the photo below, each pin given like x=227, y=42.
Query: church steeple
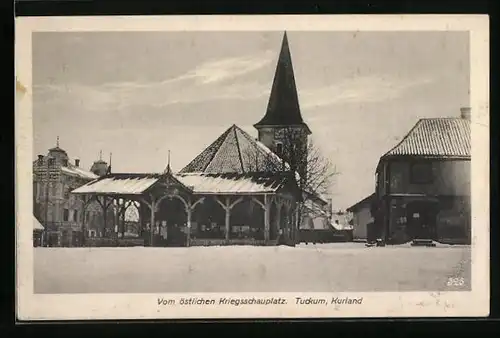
x=283, y=109
x=282, y=128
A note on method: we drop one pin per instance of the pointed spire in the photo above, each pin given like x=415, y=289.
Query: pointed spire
x=109, y=166
x=100, y=155
x=283, y=108
x=57, y=142
x=167, y=169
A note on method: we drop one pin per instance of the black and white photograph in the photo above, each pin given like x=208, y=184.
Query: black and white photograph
x=228, y=170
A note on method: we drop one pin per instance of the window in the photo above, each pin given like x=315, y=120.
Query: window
x=75, y=216
x=446, y=203
x=51, y=162
x=279, y=149
x=65, y=215
x=421, y=173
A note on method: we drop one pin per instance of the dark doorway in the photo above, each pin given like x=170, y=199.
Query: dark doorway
x=421, y=217
x=171, y=223
x=53, y=239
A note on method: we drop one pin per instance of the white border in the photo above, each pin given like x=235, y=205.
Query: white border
x=32, y=306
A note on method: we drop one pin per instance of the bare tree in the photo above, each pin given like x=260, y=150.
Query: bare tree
x=295, y=153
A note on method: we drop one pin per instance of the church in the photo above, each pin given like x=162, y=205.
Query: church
x=238, y=190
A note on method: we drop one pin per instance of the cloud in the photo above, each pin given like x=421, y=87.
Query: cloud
x=225, y=69
x=212, y=80
x=374, y=88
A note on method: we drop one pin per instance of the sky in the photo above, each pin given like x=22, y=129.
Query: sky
x=140, y=94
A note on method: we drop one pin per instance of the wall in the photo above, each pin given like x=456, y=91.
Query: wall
x=451, y=182
x=266, y=136
x=58, y=199
x=361, y=217
x=450, y=177
x=290, y=138
x=452, y=220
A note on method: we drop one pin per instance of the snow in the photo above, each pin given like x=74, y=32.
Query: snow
x=37, y=225
x=203, y=184
x=132, y=186
x=75, y=171
x=308, y=268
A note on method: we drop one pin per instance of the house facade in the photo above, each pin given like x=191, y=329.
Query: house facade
x=361, y=217
x=62, y=214
x=423, y=183
x=238, y=190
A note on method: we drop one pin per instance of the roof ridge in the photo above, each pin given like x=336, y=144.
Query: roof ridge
x=235, y=128
x=215, y=144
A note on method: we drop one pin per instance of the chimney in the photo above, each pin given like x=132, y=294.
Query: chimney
x=77, y=162
x=465, y=113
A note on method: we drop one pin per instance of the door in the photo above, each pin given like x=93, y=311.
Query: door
x=65, y=238
x=421, y=217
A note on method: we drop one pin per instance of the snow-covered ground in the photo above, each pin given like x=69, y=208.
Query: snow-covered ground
x=307, y=268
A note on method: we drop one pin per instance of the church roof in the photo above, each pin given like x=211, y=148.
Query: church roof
x=283, y=106
x=235, y=151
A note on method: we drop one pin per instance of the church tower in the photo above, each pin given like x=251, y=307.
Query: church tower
x=282, y=128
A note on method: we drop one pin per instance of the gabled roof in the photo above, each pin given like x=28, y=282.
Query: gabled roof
x=436, y=137
x=283, y=108
x=119, y=184
x=235, y=151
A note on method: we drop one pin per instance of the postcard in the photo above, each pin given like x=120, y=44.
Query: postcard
x=194, y=167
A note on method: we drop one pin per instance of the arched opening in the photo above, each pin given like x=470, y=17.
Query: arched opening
x=247, y=220
x=208, y=220
x=170, y=226
x=131, y=220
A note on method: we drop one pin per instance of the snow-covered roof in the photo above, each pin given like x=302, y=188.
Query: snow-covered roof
x=37, y=225
x=199, y=183
x=130, y=184
x=232, y=183
x=77, y=171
